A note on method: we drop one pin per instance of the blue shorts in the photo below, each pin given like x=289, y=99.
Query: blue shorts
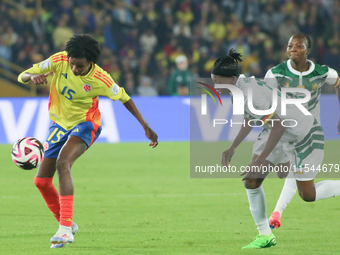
x=58, y=136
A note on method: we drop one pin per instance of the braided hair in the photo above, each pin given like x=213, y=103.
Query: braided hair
x=83, y=46
x=227, y=66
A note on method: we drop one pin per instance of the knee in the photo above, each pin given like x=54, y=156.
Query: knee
x=42, y=183
x=62, y=165
x=282, y=175
x=252, y=183
x=307, y=197
x=283, y=170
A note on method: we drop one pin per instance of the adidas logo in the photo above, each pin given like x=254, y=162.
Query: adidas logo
x=76, y=130
x=64, y=74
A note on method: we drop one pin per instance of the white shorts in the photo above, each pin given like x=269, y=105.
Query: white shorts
x=280, y=154
x=305, y=156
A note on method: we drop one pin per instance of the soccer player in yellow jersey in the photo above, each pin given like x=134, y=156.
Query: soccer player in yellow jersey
x=73, y=107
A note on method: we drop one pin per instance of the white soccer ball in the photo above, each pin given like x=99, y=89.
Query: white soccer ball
x=28, y=153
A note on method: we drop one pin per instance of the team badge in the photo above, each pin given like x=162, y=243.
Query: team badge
x=45, y=146
x=315, y=86
x=87, y=87
x=287, y=85
x=115, y=89
x=45, y=64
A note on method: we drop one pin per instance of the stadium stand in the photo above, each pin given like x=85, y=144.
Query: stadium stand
x=141, y=40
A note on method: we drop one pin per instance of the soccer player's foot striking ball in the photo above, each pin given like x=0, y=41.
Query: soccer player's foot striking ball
x=261, y=241
x=63, y=236
x=275, y=220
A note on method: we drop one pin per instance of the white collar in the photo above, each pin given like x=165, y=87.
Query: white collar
x=311, y=68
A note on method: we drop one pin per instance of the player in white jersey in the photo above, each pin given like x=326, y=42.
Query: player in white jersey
x=302, y=144
x=298, y=72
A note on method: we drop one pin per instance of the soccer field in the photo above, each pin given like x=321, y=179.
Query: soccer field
x=131, y=199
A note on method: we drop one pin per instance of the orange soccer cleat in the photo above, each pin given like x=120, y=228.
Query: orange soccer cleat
x=275, y=220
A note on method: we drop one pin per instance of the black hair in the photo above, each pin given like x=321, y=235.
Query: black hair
x=227, y=66
x=309, y=41
x=83, y=46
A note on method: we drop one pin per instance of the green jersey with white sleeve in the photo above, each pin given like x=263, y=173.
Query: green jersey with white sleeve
x=285, y=76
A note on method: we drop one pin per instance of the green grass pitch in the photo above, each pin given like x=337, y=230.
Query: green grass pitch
x=131, y=199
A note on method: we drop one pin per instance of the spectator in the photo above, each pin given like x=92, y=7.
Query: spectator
x=179, y=80
x=247, y=11
x=61, y=34
x=270, y=20
x=122, y=14
x=286, y=30
x=65, y=8
x=87, y=19
x=164, y=29
x=234, y=28
x=148, y=41
x=217, y=29
x=10, y=37
x=109, y=35
x=5, y=50
x=145, y=88
x=185, y=12
x=191, y=28
x=182, y=28
x=129, y=84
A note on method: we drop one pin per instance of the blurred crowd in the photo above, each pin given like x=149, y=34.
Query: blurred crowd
x=155, y=47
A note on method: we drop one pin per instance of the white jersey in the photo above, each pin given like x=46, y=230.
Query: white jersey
x=297, y=124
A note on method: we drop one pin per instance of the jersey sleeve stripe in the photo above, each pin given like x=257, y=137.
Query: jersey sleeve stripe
x=337, y=82
x=107, y=78
x=59, y=55
x=100, y=78
x=267, y=117
x=65, y=60
x=104, y=76
x=61, y=58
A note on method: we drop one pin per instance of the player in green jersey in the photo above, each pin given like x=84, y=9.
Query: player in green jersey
x=299, y=72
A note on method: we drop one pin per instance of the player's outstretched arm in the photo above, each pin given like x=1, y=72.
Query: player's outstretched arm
x=38, y=79
x=243, y=133
x=149, y=133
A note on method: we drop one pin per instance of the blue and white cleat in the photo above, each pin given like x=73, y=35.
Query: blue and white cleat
x=63, y=236
x=53, y=246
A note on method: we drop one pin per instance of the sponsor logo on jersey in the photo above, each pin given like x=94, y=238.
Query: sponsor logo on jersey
x=45, y=64
x=87, y=87
x=64, y=74
x=115, y=89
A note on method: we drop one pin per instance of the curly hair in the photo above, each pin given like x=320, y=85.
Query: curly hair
x=83, y=46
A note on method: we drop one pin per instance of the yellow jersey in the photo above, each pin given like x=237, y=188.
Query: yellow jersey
x=74, y=99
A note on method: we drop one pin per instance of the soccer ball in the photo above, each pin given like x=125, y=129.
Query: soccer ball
x=28, y=153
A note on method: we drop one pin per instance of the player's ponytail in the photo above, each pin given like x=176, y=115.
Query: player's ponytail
x=227, y=66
